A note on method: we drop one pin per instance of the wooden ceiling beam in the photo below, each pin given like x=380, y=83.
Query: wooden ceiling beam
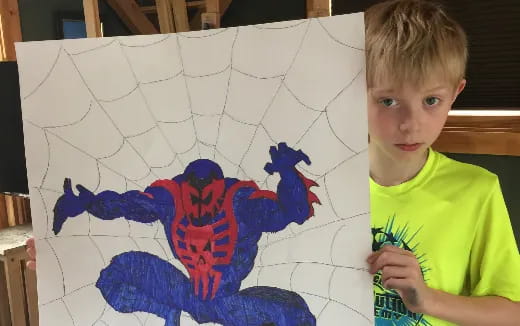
x=165, y=15
x=180, y=15
x=131, y=14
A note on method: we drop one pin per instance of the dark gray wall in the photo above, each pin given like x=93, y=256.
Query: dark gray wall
x=38, y=18
x=250, y=12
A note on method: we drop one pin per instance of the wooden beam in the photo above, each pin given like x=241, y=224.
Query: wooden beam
x=211, y=18
x=180, y=14
x=195, y=4
x=92, y=21
x=10, y=29
x=483, y=132
x=318, y=8
x=189, y=4
x=165, y=15
x=2, y=52
x=149, y=9
x=132, y=16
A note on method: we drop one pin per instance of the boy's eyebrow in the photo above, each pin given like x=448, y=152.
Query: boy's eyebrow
x=437, y=88
x=381, y=90
x=390, y=90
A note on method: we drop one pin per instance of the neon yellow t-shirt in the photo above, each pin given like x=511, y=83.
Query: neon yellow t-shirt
x=452, y=216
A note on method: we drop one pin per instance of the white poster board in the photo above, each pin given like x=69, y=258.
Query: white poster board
x=216, y=241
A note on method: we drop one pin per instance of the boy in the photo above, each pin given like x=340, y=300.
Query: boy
x=434, y=219
x=444, y=249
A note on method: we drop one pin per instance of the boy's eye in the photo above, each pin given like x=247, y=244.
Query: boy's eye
x=388, y=102
x=431, y=101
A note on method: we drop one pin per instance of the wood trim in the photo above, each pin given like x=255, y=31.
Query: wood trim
x=132, y=16
x=92, y=20
x=489, y=131
x=10, y=29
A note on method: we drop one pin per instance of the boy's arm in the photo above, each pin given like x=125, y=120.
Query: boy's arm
x=401, y=272
x=474, y=311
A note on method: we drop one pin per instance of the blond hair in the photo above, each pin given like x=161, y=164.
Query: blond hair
x=412, y=41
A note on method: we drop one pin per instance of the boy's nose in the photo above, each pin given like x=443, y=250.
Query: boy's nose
x=410, y=121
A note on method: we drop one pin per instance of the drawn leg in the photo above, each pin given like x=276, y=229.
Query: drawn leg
x=139, y=281
x=264, y=306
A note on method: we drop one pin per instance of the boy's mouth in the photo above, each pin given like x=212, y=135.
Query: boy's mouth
x=409, y=147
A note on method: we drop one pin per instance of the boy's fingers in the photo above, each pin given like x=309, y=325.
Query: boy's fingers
x=389, y=272
x=31, y=252
x=397, y=284
x=391, y=259
x=389, y=249
x=31, y=264
x=395, y=249
x=371, y=257
x=29, y=242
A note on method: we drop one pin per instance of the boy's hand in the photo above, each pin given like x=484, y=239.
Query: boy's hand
x=31, y=252
x=401, y=272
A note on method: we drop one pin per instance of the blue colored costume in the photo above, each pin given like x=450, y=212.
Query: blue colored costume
x=213, y=225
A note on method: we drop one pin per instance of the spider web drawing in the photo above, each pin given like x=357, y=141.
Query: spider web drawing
x=120, y=113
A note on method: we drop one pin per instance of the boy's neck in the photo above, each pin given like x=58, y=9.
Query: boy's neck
x=387, y=172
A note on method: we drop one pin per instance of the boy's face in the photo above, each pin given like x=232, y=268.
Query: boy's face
x=405, y=121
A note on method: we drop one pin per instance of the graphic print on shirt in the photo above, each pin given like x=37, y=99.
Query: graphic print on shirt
x=389, y=308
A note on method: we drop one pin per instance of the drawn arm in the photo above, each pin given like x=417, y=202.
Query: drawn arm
x=271, y=212
x=155, y=203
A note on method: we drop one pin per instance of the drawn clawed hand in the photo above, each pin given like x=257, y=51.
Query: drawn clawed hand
x=284, y=158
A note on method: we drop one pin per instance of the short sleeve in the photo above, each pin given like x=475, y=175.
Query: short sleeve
x=495, y=260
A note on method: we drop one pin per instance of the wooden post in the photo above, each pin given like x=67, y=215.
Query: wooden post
x=32, y=296
x=92, y=21
x=318, y=8
x=211, y=18
x=5, y=313
x=180, y=14
x=11, y=214
x=165, y=15
x=15, y=288
x=4, y=222
x=10, y=29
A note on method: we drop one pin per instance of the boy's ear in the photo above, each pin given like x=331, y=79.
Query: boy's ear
x=460, y=88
